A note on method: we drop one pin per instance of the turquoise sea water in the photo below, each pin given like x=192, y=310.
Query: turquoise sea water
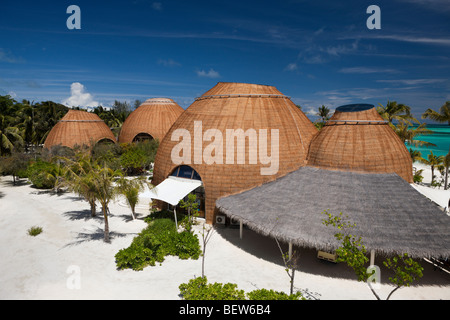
x=440, y=137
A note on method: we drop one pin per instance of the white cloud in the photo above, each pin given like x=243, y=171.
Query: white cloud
x=413, y=82
x=364, y=70
x=210, y=74
x=291, y=67
x=7, y=56
x=168, y=63
x=79, y=98
x=157, y=6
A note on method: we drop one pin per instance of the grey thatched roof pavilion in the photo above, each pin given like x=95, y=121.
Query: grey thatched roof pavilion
x=390, y=215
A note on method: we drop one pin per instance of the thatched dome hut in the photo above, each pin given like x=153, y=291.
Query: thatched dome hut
x=274, y=133
x=357, y=139
x=80, y=128
x=151, y=120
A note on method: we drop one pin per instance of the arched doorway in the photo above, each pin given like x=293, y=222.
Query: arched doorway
x=187, y=172
x=143, y=136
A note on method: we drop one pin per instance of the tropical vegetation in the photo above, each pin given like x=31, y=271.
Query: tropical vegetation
x=158, y=240
x=442, y=116
x=199, y=289
x=353, y=252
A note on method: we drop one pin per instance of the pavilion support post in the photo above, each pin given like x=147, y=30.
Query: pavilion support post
x=241, y=227
x=175, y=215
x=372, y=257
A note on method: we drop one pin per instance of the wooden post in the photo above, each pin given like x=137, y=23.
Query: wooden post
x=240, y=229
x=372, y=257
x=175, y=214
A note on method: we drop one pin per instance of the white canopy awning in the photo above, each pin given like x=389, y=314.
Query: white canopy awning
x=173, y=189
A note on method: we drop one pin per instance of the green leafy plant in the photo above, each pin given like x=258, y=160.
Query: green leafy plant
x=353, y=252
x=418, y=177
x=265, y=294
x=155, y=242
x=191, y=205
x=42, y=174
x=199, y=289
x=34, y=231
x=405, y=269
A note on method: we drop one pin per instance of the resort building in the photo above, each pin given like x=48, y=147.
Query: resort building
x=357, y=139
x=234, y=137
x=151, y=120
x=356, y=165
x=78, y=128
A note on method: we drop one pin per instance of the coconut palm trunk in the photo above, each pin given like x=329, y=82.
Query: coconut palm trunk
x=93, y=207
x=106, y=232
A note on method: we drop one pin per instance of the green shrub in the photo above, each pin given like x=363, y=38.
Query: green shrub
x=155, y=242
x=264, y=294
x=42, y=174
x=34, y=231
x=200, y=289
x=417, y=177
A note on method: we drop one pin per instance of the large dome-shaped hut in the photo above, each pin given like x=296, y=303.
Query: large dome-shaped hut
x=151, y=120
x=356, y=138
x=234, y=137
x=80, y=128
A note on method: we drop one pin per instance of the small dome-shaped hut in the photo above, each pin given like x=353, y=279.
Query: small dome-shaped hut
x=80, y=128
x=234, y=137
x=151, y=120
x=356, y=138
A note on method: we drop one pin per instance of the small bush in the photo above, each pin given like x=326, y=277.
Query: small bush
x=34, y=231
x=417, y=177
x=155, y=242
x=200, y=289
x=264, y=294
x=42, y=174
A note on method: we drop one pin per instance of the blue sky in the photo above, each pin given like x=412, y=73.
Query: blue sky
x=316, y=52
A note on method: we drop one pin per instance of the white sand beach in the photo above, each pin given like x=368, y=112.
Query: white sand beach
x=71, y=244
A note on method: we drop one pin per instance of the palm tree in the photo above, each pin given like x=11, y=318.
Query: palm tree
x=105, y=191
x=446, y=164
x=324, y=113
x=78, y=178
x=130, y=189
x=415, y=155
x=442, y=116
x=408, y=134
x=394, y=111
x=10, y=137
x=433, y=161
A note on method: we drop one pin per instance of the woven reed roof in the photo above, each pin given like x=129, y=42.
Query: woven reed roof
x=356, y=138
x=390, y=215
x=154, y=117
x=239, y=106
x=78, y=127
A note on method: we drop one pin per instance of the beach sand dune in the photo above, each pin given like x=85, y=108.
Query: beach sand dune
x=69, y=260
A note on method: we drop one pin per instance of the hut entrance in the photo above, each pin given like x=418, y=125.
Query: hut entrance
x=140, y=137
x=186, y=172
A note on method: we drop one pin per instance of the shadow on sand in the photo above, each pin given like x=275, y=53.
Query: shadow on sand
x=94, y=235
x=266, y=248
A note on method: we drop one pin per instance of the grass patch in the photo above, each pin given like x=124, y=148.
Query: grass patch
x=34, y=231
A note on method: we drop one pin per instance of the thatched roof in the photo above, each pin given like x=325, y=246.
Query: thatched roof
x=80, y=128
x=232, y=106
x=154, y=117
x=391, y=216
x=356, y=138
